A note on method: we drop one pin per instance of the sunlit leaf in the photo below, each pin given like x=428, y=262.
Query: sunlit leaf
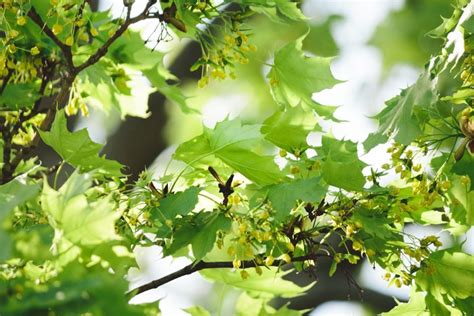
x=77, y=148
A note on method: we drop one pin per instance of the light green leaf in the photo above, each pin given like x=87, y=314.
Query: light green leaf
x=289, y=129
x=447, y=272
x=171, y=92
x=247, y=305
x=197, y=311
x=77, y=148
x=415, y=307
x=100, y=90
x=284, y=196
x=15, y=193
x=268, y=283
x=235, y=145
x=466, y=198
x=400, y=120
x=75, y=218
x=342, y=167
x=277, y=10
x=294, y=78
x=129, y=49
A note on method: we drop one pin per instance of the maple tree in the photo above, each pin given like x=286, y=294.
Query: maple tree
x=67, y=246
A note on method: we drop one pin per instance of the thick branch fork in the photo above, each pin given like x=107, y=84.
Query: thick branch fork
x=202, y=265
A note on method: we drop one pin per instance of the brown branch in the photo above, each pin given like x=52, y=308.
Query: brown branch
x=32, y=14
x=202, y=265
x=6, y=169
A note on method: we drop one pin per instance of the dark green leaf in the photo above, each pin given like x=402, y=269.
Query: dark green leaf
x=285, y=195
x=179, y=203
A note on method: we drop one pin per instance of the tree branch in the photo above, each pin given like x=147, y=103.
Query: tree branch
x=32, y=14
x=202, y=265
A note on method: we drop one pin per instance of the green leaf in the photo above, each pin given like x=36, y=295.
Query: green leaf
x=465, y=197
x=197, y=311
x=415, y=307
x=75, y=218
x=447, y=272
x=277, y=10
x=204, y=240
x=15, y=193
x=179, y=203
x=374, y=223
x=294, y=78
x=465, y=167
x=19, y=96
x=247, y=305
x=171, y=92
x=100, y=90
x=284, y=196
x=77, y=148
x=199, y=231
x=289, y=129
x=267, y=283
x=235, y=145
x=399, y=120
x=373, y=140
x=342, y=167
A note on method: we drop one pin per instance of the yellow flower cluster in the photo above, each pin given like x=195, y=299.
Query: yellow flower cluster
x=219, y=62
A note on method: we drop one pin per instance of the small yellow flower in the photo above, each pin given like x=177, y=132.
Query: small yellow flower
x=34, y=50
x=11, y=48
x=13, y=33
x=80, y=22
x=416, y=168
x=21, y=20
x=285, y=257
x=57, y=28
x=398, y=283
x=244, y=274
x=203, y=82
x=69, y=41
x=94, y=32
x=465, y=180
x=269, y=260
x=236, y=263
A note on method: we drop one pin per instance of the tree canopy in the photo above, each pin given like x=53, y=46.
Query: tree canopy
x=249, y=201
